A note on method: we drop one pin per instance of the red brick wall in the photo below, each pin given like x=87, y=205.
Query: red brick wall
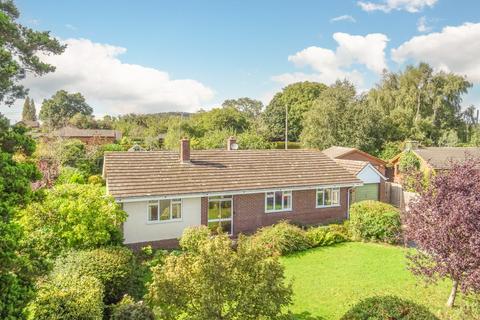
x=249, y=211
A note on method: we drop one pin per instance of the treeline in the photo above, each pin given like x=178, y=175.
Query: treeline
x=417, y=103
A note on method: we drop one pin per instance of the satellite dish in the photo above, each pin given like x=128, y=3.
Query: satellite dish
x=234, y=146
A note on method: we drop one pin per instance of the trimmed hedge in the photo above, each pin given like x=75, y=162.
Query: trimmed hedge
x=388, y=307
x=327, y=235
x=282, y=238
x=68, y=297
x=115, y=267
x=375, y=221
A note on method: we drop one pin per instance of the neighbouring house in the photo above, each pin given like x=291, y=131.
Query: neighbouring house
x=433, y=159
x=88, y=136
x=346, y=153
x=29, y=124
x=163, y=192
x=373, y=187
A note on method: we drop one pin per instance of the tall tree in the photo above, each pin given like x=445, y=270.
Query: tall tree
x=57, y=111
x=251, y=107
x=420, y=103
x=19, y=49
x=298, y=98
x=340, y=117
x=29, y=113
x=16, y=283
x=444, y=223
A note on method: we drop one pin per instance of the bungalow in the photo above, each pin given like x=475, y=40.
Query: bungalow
x=163, y=192
x=433, y=159
x=88, y=136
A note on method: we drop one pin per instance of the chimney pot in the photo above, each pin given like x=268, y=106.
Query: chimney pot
x=231, y=141
x=185, y=150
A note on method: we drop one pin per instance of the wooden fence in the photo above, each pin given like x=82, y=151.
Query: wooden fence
x=398, y=197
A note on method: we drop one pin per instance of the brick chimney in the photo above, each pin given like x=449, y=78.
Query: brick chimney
x=231, y=141
x=185, y=150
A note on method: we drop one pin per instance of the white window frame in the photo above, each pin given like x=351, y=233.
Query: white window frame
x=284, y=192
x=220, y=199
x=322, y=191
x=157, y=203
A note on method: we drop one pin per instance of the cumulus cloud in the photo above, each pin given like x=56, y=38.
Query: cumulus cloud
x=422, y=24
x=453, y=49
x=389, y=5
x=344, y=17
x=114, y=87
x=329, y=65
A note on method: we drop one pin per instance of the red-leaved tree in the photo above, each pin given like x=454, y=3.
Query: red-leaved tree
x=444, y=224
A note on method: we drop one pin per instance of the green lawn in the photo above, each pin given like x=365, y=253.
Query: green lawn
x=328, y=280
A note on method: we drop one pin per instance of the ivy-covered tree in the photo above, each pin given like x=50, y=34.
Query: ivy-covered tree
x=16, y=174
x=444, y=224
x=57, y=111
x=19, y=49
x=29, y=113
x=298, y=98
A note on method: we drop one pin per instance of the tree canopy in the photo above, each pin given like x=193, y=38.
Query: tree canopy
x=57, y=111
x=19, y=49
x=29, y=113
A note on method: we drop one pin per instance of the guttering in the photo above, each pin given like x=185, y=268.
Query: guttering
x=230, y=193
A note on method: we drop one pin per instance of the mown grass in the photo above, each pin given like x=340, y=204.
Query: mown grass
x=327, y=281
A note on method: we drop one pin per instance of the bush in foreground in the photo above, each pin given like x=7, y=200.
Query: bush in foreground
x=282, y=238
x=68, y=297
x=115, y=267
x=327, y=235
x=128, y=309
x=388, y=307
x=193, y=237
x=216, y=282
x=375, y=221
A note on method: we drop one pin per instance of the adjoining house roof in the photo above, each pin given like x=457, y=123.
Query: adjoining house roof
x=352, y=166
x=160, y=173
x=442, y=157
x=335, y=152
x=72, y=132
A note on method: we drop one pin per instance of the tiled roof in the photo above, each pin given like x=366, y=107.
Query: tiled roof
x=352, y=166
x=160, y=173
x=441, y=157
x=334, y=152
x=72, y=132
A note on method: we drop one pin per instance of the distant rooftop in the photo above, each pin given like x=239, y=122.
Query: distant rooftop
x=72, y=132
x=441, y=157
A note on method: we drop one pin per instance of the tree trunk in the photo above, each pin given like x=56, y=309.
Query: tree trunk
x=453, y=294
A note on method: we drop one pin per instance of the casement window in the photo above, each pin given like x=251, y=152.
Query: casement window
x=278, y=201
x=328, y=197
x=220, y=213
x=164, y=210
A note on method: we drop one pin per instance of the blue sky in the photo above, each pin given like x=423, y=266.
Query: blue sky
x=152, y=56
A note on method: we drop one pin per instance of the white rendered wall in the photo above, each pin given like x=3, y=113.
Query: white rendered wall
x=369, y=175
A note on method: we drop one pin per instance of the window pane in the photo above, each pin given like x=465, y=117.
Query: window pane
x=226, y=226
x=278, y=200
x=164, y=210
x=213, y=210
x=269, y=203
x=335, y=196
x=287, y=200
x=328, y=197
x=153, y=212
x=176, y=210
x=226, y=209
x=213, y=226
x=320, y=198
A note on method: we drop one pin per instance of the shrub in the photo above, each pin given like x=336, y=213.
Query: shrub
x=192, y=237
x=96, y=179
x=375, y=221
x=327, y=235
x=115, y=267
x=388, y=307
x=282, y=238
x=218, y=282
x=68, y=297
x=71, y=175
x=128, y=309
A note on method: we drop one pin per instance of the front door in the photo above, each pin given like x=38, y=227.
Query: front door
x=220, y=213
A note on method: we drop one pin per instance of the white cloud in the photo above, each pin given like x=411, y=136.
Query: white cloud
x=389, y=5
x=453, y=49
x=330, y=65
x=344, y=17
x=114, y=87
x=71, y=27
x=422, y=25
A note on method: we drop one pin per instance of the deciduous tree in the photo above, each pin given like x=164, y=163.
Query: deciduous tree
x=444, y=223
x=57, y=111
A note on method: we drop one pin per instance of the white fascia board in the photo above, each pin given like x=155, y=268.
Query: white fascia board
x=231, y=193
